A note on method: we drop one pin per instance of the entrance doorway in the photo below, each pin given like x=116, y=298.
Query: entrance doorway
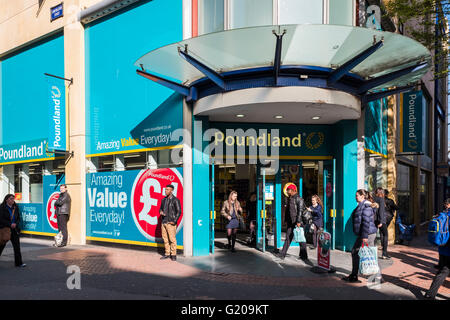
x=310, y=177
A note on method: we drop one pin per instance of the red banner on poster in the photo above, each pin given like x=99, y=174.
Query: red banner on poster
x=323, y=250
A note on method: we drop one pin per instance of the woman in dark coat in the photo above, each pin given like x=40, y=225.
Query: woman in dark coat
x=10, y=218
x=364, y=228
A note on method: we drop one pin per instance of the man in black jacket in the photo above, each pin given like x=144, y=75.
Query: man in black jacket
x=62, y=206
x=380, y=221
x=170, y=211
x=293, y=217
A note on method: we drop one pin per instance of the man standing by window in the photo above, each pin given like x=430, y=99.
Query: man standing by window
x=62, y=206
x=170, y=210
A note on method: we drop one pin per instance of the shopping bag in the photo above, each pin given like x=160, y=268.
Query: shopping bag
x=5, y=235
x=58, y=238
x=299, y=234
x=368, y=260
x=242, y=224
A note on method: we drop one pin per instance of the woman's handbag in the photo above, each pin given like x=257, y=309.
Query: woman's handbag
x=299, y=235
x=5, y=235
x=368, y=262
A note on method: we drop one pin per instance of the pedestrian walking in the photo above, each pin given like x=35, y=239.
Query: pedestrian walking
x=364, y=228
x=444, y=263
x=251, y=213
x=10, y=218
x=381, y=221
x=170, y=211
x=294, y=218
x=232, y=211
x=62, y=206
x=317, y=217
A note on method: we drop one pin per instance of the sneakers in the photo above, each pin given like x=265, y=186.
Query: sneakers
x=165, y=257
x=23, y=265
x=385, y=256
x=173, y=258
x=352, y=279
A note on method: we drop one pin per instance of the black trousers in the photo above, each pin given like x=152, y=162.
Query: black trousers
x=16, y=246
x=384, y=237
x=441, y=275
x=289, y=236
x=62, y=226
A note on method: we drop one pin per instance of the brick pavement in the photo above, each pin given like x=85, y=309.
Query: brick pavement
x=411, y=269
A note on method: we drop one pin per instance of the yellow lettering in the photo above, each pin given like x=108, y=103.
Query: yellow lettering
x=253, y=141
x=299, y=139
x=262, y=139
x=288, y=141
x=218, y=137
x=227, y=139
x=276, y=142
x=242, y=141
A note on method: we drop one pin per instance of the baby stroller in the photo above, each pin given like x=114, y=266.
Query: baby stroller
x=405, y=232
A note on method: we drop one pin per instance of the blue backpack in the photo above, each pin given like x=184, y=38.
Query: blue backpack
x=438, y=229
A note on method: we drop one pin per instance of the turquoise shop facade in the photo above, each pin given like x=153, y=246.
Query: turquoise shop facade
x=128, y=117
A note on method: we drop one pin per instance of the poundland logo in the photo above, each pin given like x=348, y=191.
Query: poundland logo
x=56, y=119
x=22, y=152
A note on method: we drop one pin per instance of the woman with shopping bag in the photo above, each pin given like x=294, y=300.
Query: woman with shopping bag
x=365, y=230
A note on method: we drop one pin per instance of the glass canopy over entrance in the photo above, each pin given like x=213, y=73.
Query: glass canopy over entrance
x=356, y=60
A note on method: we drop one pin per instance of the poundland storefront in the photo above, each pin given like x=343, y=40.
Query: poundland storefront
x=251, y=106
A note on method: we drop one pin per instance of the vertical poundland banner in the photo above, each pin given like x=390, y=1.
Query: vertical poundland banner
x=411, y=122
x=57, y=114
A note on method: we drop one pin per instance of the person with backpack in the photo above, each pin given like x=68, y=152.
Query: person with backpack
x=438, y=234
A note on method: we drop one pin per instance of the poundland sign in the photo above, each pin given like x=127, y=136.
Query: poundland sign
x=57, y=115
x=23, y=152
x=411, y=122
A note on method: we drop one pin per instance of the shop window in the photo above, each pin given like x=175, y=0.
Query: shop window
x=135, y=161
x=105, y=163
x=375, y=172
x=304, y=11
x=18, y=179
x=423, y=194
x=404, y=194
x=210, y=16
x=249, y=13
x=36, y=187
x=341, y=12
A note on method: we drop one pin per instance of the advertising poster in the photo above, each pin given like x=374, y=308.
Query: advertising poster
x=123, y=206
x=323, y=250
x=40, y=218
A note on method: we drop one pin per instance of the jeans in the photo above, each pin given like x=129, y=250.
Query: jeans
x=355, y=251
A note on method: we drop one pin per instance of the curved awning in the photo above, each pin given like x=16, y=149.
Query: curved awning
x=352, y=59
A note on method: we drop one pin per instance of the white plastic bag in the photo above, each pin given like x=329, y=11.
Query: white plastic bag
x=368, y=261
x=58, y=238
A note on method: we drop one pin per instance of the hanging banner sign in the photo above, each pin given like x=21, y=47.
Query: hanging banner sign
x=411, y=122
x=57, y=114
x=24, y=152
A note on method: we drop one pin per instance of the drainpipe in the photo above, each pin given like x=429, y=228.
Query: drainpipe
x=102, y=9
